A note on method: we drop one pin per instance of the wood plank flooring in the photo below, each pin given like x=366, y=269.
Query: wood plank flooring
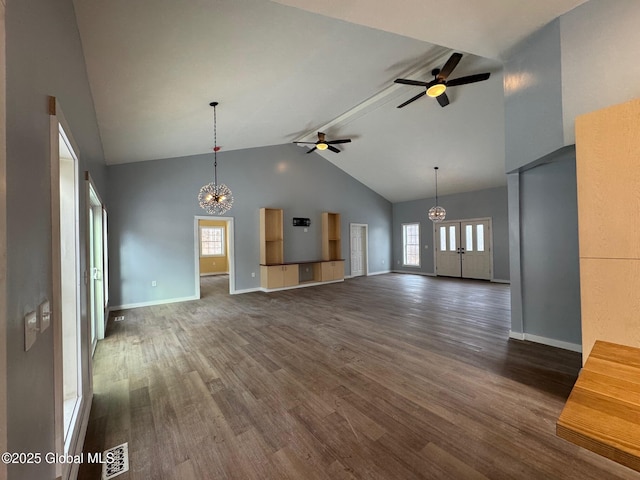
x=384, y=377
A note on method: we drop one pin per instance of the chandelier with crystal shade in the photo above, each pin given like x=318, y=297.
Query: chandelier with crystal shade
x=215, y=198
x=437, y=213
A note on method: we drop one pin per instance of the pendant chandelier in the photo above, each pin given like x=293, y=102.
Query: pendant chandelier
x=215, y=198
x=437, y=213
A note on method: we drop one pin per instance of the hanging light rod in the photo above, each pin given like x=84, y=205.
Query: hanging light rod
x=215, y=198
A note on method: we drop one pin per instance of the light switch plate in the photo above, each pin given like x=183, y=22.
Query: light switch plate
x=44, y=312
x=30, y=329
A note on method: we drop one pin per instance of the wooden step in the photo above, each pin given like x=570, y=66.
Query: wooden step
x=602, y=413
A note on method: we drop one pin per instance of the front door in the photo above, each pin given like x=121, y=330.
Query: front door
x=463, y=249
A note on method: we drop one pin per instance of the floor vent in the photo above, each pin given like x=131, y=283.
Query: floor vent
x=116, y=461
x=119, y=318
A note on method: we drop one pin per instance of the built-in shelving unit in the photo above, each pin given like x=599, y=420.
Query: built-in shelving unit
x=331, y=240
x=276, y=274
x=271, y=236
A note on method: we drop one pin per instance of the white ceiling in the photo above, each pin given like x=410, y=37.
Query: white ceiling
x=281, y=73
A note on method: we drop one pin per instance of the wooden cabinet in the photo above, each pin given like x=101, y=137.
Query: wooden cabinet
x=279, y=276
x=332, y=271
x=608, y=175
x=331, y=239
x=271, y=236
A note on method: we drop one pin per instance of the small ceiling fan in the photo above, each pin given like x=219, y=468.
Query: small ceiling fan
x=322, y=144
x=437, y=87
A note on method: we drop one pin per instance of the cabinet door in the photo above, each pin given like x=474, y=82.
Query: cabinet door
x=271, y=277
x=326, y=271
x=290, y=275
x=338, y=270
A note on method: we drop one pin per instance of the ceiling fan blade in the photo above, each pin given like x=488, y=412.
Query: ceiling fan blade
x=333, y=149
x=478, y=77
x=449, y=66
x=334, y=142
x=406, y=81
x=443, y=100
x=311, y=150
x=421, y=94
x=310, y=143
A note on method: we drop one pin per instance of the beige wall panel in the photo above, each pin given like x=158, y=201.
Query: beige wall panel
x=608, y=173
x=610, y=302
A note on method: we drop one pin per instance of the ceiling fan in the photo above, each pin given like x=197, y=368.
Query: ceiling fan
x=437, y=87
x=322, y=144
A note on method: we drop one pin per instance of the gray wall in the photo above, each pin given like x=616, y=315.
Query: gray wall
x=483, y=203
x=152, y=207
x=549, y=258
x=533, y=98
x=44, y=57
x=550, y=79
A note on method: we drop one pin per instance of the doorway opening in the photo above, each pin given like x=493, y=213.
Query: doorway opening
x=463, y=248
x=214, y=259
x=359, y=249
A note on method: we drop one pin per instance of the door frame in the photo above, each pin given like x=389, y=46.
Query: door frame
x=230, y=244
x=366, y=247
x=478, y=219
x=90, y=188
x=3, y=243
x=75, y=438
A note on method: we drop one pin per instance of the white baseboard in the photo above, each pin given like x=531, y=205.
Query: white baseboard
x=500, y=280
x=82, y=433
x=127, y=306
x=301, y=285
x=382, y=272
x=424, y=274
x=552, y=342
x=246, y=290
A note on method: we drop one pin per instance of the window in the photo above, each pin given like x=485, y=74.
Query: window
x=411, y=244
x=212, y=241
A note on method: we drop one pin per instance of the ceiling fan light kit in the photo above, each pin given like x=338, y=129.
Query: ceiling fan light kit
x=437, y=214
x=215, y=198
x=436, y=90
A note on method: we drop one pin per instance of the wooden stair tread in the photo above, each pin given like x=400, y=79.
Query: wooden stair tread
x=602, y=413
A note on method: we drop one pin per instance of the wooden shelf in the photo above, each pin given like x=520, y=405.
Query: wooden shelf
x=331, y=237
x=602, y=413
x=271, y=236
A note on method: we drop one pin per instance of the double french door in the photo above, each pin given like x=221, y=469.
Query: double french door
x=463, y=249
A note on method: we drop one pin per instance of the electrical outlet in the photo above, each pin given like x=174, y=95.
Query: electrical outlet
x=154, y=283
x=30, y=330
x=44, y=312
x=253, y=274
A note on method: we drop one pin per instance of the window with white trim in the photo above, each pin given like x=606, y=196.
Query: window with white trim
x=212, y=242
x=411, y=244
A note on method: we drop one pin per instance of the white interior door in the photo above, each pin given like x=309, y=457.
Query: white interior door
x=96, y=262
x=358, y=243
x=448, y=261
x=463, y=249
x=475, y=251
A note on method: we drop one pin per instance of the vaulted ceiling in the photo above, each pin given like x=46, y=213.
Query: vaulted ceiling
x=284, y=70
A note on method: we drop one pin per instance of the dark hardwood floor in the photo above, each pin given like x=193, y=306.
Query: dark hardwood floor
x=383, y=377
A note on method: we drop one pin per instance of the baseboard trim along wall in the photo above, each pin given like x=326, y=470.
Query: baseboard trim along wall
x=552, y=342
x=246, y=290
x=500, y=280
x=381, y=272
x=410, y=272
x=127, y=306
